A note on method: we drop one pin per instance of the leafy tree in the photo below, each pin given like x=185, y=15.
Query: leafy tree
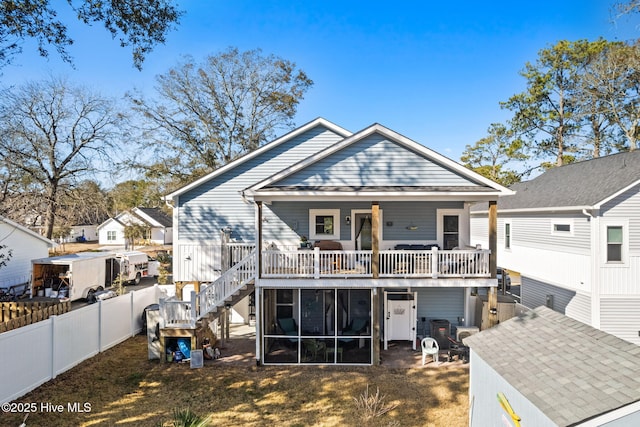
x=139, y=24
x=135, y=231
x=547, y=112
x=129, y=194
x=55, y=134
x=211, y=112
x=491, y=154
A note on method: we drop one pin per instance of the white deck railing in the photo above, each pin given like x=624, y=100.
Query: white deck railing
x=234, y=279
x=184, y=314
x=393, y=263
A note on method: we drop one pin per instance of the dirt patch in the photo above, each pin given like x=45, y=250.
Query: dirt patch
x=122, y=387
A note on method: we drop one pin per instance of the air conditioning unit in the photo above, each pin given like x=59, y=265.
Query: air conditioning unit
x=465, y=331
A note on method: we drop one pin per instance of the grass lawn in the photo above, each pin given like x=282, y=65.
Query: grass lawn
x=123, y=388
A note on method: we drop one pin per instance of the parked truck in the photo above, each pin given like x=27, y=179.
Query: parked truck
x=75, y=276
x=135, y=265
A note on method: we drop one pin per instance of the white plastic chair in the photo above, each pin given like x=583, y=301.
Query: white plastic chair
x=429, y=347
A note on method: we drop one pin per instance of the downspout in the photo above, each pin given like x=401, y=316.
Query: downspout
x=595, y=266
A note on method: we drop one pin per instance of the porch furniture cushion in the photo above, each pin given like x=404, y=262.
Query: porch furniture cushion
x=357, y=325
x=288, y=326
x=328, y=245
x=402, y=247
x=429, y=348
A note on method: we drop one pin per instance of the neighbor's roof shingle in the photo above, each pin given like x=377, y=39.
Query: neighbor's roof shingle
x=157, y=215
x=569, y=370
x=580, y=184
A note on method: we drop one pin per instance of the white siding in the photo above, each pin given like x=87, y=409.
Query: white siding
x=480, y=231
x=569, y=270
x=536, y=232
x=24, y=248
x=621, y=317
x=484, y=385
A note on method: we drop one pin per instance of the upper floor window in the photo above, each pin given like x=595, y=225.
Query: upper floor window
x=507, y=235
x=614, y=237
x=324, y=224
x=615, y=241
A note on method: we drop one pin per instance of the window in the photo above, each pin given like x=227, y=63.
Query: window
x=111, y=235
x=450, y=231
x=324, y=224
x=614, y=243
x=562, y=227
x=507, y=235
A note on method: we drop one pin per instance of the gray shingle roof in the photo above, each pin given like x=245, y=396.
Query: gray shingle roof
x=569, y=370
x=157, y=215
x=583, y=183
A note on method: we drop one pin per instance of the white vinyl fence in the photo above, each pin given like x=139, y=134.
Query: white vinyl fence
x=37, y=353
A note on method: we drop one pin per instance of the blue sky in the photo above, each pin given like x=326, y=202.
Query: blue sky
x=434, y=71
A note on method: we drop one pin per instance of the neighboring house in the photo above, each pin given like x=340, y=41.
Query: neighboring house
x=82, y=233
x=111, y=232
x=25, y=245
x=551, y=370
x=573, y=234
x=387, y=220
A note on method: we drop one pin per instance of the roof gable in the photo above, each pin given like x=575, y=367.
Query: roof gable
x=25, y=230
x=154, y=216
x=564, y=358
x=319, y=122
x=377, y=157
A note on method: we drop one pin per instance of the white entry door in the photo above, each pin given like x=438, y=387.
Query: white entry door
x=400, y=317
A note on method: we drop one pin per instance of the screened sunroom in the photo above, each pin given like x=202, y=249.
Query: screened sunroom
x=317, y=326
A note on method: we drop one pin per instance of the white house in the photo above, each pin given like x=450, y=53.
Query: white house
x=573, y=233
x=349, y=239
x=24, y=245
x=111, y=232
x=545, y=369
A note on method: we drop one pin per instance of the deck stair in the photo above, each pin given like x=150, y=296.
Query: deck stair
x=231, y=287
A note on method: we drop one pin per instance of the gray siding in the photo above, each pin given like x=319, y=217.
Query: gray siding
x=216, y=204
x=291, y=219
x=375, y=161
x=621, y=317
x=534, y=293
x=535, y=231
x=627, y=205
x=439, y=303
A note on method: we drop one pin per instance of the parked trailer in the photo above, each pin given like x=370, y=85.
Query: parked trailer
x=74, y=276
x=135, y=265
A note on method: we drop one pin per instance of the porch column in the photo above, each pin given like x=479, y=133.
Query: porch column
x=493, y=246
x=259, y=239
x=375, y=239
x=375, y=321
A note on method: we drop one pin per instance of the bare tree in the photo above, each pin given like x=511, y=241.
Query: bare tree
x=55, y=134
x=211, y=112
